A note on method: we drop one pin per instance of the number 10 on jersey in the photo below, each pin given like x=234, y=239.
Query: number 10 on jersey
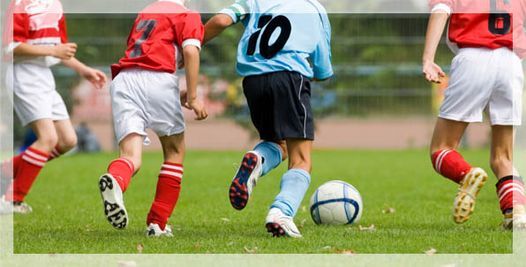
x=271, y=24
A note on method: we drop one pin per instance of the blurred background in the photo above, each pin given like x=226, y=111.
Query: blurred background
x=377, y=100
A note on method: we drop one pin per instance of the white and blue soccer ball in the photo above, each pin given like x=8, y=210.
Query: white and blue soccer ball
x=336, y=203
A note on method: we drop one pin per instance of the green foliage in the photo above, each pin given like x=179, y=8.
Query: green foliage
x=376, y=58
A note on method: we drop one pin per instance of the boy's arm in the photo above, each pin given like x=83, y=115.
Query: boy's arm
x=226, y=18
x=62, y=51
x=435, y=29
x=96, y=77
x=321, y=59
x=322, y=56
x=192, y=61
x=216, y=25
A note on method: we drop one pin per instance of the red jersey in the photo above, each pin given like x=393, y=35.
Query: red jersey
x=490, y=24
x=36, y=23
x=160, y=32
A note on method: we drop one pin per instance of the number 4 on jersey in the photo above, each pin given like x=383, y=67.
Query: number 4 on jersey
x=267, y=50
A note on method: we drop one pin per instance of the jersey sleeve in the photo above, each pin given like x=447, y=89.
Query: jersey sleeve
x=19, y=24
x=321, y=57
x=190, y=30
x=237, y=11
x=63, y=30
x=441, y=5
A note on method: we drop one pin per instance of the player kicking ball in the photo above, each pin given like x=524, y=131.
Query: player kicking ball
x=281, y=40
x=39, y=41
x=145, y=94
x=486, y=74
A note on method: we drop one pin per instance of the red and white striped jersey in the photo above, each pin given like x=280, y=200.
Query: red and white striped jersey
x=158, y=36
x=37, y=22
x=490, y=24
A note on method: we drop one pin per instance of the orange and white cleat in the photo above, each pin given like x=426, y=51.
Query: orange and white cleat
x=468, y=191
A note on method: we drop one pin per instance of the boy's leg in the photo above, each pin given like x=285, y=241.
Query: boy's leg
x=450, y=164
x=28, y=165
x=272, y=154
x=33, y=160
x=115, y=182
x=8, y=170
x=265, y=157
x=510, y=187
x=67, y=139
x=294, y=185
x=446, y=160
x=169, y=183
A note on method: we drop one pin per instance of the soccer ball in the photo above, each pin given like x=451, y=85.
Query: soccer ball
x=336, y=203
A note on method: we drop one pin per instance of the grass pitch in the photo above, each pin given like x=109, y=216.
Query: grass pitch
x=68, y=215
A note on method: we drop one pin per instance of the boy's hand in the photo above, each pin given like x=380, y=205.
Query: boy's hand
x=96, y=77
x=432, y=72
x=182, y=96
x=198, y=108
x=65, y=51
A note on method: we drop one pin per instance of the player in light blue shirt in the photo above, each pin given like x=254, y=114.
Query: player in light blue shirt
x=298, y=40
x=286, y=44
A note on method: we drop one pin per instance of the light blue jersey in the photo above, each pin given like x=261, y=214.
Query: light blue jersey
x=283, y=35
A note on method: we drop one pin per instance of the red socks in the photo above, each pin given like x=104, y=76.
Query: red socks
x=26, y=169
x=122, y=170
x=54, y=154
x=168, y=188
x=510, y=191
x=450, y=164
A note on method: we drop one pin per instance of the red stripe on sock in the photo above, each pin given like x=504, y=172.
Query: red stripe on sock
x=450, y=164
x=510, y=191
x=28, y=170
x=166, y=196
x=55, y=153
x=173, y=164
x=122, y=170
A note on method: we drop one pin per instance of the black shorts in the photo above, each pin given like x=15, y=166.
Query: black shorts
x=279, y=105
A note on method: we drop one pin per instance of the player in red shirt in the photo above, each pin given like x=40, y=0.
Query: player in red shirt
x=38, y=41
x=486, y=75
x=145, y=94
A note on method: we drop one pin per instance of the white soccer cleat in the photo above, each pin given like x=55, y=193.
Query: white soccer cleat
x=515, y=220
x=21, y=208
x=154, y=230
x=18, y=207
x=113, y=201
x=279, y=224
x=468, y=191
x=245, y=180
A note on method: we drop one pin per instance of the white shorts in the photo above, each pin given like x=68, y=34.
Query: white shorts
x=34, y=94
x=485, y=80
x=144, y=99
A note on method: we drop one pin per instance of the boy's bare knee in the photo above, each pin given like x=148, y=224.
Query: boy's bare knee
x=48, y=141
x=68, y=143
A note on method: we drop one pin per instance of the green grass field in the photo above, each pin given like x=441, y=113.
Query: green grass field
x=68, y=216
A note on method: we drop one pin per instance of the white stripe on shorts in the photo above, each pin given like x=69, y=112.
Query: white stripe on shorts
x=304, y=109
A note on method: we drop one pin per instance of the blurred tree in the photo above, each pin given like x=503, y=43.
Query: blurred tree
x=376, y=57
